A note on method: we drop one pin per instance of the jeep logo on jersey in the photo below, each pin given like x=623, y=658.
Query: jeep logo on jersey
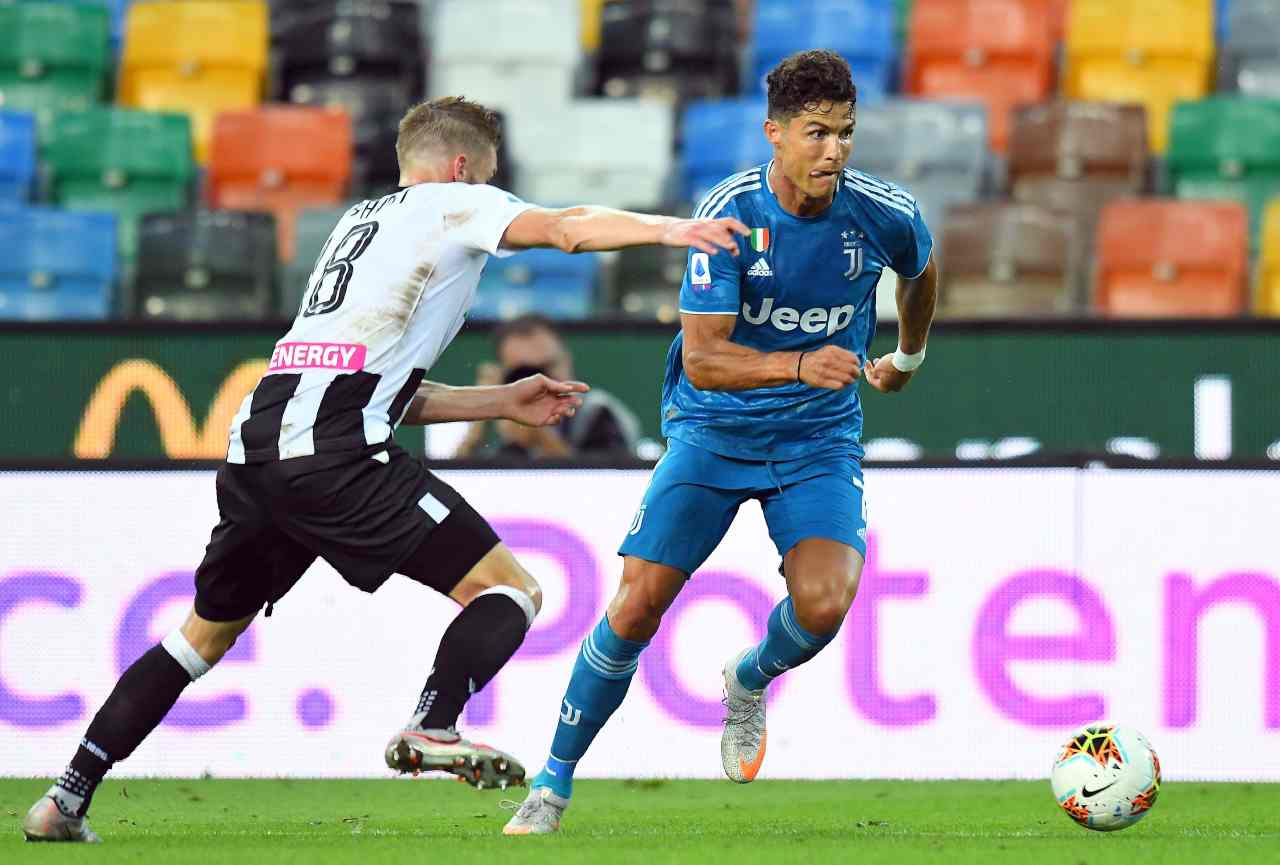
x=787, y=319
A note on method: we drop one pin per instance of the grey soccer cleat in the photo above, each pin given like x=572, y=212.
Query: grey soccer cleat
x=743, y=741
x=46, y=821
x=539, y=814
x=416, y=750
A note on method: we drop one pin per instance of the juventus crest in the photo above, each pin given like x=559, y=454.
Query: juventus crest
x=852, y=241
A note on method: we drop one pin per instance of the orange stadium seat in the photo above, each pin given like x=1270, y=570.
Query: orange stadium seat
x=999, y=52
x=1154, y=52
x=197, y=56
x=1163, y=258
x=1268, y=294
x=281, y=159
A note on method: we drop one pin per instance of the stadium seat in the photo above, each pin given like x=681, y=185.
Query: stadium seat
x=128, y=162
x=1162, y=258
x=647, y=281
x=1267, y=300
x=375, y=107
x=310, y=233
x=115, y=8
x=539, y=280
x=1227, y=148
x=53, y=56
x=590, y=26
x=1004, y=259
x=529, y=53
x=1152, y=52
x=614, y=152
x=862, y=31
x=280, y=159
x=1077, y=157
x=721, y=137
x=198, y=56
x=936, y=150
x=206, y=266
x=999, y=52
x=56, y=264
x=17, y=155
x=374, y=40
x=674, y=50
x=1250, y=58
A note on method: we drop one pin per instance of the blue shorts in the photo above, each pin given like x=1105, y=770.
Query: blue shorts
x=694, y=495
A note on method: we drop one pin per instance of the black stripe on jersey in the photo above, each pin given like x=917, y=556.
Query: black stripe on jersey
x=260, y=432
x=340, y=418
x=401, y=402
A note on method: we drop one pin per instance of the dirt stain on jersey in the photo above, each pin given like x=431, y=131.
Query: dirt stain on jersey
x=458, y=219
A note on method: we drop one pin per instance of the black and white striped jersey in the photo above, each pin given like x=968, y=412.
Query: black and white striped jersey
x=388, y=294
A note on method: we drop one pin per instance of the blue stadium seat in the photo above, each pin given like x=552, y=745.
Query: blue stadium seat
x=862, y=31
x=1249, y=58
x=1222, y=19
x=720, y=138
x=935, y=150
x=57, y=264
x=17, y=155
x=539, y=280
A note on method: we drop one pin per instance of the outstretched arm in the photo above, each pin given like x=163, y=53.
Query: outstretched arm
x=597, y=229
x=713, y=362
x=916, y=301
x=533, y=401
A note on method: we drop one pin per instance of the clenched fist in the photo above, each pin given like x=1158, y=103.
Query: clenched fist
x=830, y=367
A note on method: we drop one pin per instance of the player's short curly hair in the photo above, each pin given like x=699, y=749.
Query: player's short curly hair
x=803, y=81
x=453, y=123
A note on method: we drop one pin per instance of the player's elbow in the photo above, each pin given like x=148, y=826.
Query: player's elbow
x=699, y=370
x=568, y=231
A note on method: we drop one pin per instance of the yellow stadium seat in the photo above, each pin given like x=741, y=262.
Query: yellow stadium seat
x=1268, y=295
x=1154, y=52
x=197, y=56
x=591, y=15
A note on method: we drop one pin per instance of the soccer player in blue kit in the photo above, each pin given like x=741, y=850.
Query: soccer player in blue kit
x=760, y=402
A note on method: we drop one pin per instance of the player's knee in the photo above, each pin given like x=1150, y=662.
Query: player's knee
x=819, y=612
x=635, y=615
x=499, y=570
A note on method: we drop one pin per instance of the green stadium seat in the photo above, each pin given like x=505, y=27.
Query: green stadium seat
x=206, y=266
x=312, y=230
x=53, y=56
x=128, y=162
x=1227, y=148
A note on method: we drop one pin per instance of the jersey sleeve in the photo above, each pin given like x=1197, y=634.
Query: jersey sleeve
x=477, y=216
x=915, y=246
x=712, y=282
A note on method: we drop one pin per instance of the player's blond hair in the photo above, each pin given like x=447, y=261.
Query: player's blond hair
x=452, y=124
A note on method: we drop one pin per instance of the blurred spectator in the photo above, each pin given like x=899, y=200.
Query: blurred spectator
x=529, y=345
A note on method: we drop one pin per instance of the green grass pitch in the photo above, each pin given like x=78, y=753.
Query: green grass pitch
x=317, y=822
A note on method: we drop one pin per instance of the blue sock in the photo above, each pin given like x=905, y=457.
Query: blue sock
x=786, y=645
x=600, y=679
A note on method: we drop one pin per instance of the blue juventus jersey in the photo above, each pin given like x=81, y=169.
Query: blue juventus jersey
x=798, y=283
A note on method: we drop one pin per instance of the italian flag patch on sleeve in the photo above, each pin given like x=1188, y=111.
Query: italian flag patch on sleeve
x=760, y=239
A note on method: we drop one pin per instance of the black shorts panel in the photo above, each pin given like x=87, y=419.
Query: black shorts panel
x=249, y=561
x=363, y=513
x=450, y=552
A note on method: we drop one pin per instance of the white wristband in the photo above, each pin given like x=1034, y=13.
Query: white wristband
x=904, y=362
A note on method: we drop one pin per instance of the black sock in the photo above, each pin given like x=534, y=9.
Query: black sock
x=473, y=649
x=143, y=696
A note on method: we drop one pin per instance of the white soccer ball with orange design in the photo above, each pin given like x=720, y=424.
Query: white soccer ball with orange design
x=1106, y=777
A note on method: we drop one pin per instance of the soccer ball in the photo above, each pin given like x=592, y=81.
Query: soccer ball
x=1106, y=777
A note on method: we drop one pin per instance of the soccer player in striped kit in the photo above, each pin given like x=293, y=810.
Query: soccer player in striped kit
x=760, y=402
x=312, y=469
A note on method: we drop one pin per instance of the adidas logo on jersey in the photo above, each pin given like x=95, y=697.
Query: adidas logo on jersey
x=760, y=268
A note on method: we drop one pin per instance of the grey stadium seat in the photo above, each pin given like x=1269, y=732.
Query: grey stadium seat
x=1250, y=59
x=937, y=151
